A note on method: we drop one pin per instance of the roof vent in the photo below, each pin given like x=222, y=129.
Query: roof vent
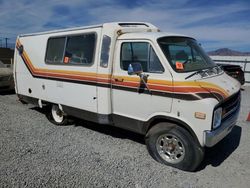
x=132, y=24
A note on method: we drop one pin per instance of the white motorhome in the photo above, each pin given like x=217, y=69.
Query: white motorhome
x=133, y=76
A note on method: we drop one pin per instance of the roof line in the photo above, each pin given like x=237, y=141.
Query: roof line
x=61, y=30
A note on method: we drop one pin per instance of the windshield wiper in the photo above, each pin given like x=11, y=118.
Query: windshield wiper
x=196, y=72
x=218, y=68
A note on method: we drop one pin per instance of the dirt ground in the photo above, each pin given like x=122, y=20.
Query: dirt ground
x=36, y=153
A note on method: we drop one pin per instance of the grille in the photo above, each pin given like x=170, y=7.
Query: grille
x=230, y=105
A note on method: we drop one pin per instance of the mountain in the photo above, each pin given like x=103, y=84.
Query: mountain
x=228, y=52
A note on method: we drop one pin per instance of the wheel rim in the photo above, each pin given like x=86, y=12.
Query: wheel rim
x=170, y=148
x=57, y=114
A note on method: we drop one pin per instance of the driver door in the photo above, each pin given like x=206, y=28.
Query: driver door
x=132, y=102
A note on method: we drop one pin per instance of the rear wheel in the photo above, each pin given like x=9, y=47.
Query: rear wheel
x=174, y=146
x=56, y=116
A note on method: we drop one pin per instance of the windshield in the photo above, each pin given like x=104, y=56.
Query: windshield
x=184, y=54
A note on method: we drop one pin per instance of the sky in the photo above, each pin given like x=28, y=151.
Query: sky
x=214, y=23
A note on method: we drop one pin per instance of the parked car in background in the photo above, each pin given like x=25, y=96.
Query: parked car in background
x=6, y=77
x=234, y=71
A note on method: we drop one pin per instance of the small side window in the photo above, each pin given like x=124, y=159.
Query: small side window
x=55, y=50
x=106, y=41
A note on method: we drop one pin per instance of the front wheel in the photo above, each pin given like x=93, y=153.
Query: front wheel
x=174, y=146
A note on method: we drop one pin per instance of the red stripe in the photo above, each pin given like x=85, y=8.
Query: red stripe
x=165, y=88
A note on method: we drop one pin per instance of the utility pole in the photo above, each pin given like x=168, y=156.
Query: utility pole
x=6, y=42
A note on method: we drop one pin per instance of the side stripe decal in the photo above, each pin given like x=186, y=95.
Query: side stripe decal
x=181, y=90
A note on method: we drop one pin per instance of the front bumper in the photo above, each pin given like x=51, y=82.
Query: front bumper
x=213, y=137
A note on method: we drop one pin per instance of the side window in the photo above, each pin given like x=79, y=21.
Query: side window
x=105, y=51
x=80, y=49
x=55, y=50
x=126, y=55
x=140, y=52
x=154, y=62
x=76, y=50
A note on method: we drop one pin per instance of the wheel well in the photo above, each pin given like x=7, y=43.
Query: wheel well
x=178, y=122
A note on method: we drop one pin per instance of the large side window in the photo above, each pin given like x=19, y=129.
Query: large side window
x=55, y=50
x=143, y=53
x=80, y=49
x=76, y=50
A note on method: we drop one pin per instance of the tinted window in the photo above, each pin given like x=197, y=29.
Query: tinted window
x=140, y=52
x=105, y=51
x=55, y=50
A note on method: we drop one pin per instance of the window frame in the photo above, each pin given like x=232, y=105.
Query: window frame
x=64, y=50
x=150, y=45
x=46, y=52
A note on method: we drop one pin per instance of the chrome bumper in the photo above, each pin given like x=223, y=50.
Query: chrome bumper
x=213, y=137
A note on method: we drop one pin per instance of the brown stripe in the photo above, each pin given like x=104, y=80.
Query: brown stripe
x=180, y=92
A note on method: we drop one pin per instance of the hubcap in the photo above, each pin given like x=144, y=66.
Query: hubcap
x=170, y=148
x=57, y=114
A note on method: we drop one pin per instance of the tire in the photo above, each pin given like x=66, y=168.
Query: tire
x=173, y=145
x=56, y=116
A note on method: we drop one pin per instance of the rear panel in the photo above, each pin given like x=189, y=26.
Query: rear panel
x=71, y=85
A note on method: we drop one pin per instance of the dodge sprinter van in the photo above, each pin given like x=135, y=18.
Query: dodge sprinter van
x=133, y=76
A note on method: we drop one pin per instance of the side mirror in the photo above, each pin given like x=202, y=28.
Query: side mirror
x=135, y=68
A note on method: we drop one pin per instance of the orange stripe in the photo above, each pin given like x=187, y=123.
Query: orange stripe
x=161, y=85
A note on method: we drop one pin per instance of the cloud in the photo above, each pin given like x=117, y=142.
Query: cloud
x=185, y=20
x=222, y=24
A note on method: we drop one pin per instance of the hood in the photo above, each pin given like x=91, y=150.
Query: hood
x=221, y=86
x=5, y=72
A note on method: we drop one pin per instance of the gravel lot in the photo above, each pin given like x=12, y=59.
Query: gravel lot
x=34, y=152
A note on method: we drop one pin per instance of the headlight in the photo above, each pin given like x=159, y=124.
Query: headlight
x=217, y=118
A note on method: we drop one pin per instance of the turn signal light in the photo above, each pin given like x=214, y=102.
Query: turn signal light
x=200, y=115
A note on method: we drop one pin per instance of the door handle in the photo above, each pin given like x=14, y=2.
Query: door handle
x=118, y=79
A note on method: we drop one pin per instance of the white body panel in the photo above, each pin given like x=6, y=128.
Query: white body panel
x=59, y=92
x=134, y=104
x=103, y=95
